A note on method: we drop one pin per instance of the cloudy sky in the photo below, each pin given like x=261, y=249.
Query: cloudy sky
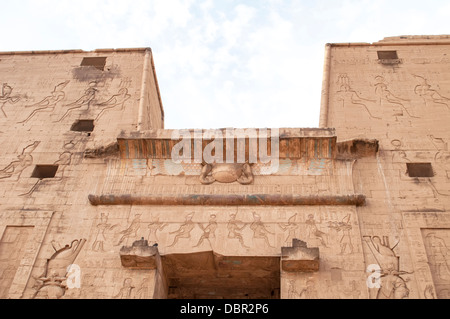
x=223, y=63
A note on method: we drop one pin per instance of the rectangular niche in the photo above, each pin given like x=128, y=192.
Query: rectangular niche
x=419, y=170
x=97, y=62
x=83, y=126
x=387, y=55
x=44, y=171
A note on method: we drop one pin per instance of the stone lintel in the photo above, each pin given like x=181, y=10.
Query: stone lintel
x=229, y=200
x=289, y=142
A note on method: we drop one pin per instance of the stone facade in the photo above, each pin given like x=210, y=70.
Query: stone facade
x=94, y=204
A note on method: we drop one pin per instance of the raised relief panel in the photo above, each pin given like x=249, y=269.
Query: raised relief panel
x=52, y=284
x=437, y=247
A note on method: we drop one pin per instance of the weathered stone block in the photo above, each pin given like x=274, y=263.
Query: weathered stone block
x=139, y=256
x=299, y=258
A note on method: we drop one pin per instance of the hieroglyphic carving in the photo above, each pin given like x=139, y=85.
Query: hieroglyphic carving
x=437, y=248
x=314, y=232
x=118, y=99
x=64, y=160
x=131, y=230
x=387, y=97
x=125, y=290
x=348, y=95
x=392, y=285
x=184, y=231
x=24, y=160
x=209, y=231
x=49, y=102
x=309, y=291
x=143, y=290
x=346, y=239
x=84, y=101
x=292, y=290
x=51, y=283
x=235, y=228
x=439, y=143
x=7, y=98
x=429, y=95
x=436, y=192
x=439, y=257
x=154, y=227
x=291, y=227
x=260, y=231
x=100, y=237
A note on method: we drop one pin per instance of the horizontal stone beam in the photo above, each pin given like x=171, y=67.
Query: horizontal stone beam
x=229, y=200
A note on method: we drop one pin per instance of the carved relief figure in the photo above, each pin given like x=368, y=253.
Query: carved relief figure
x=143, y=291
x=184, y=231
x=208, y=231
x=292, y=290
x=386, y=96
x=125, y=291
x=7, y=98
x=132, y=230
x=439, y=255
x=291, y=227
x=346, y=239
x=48, y=103
x=24, y=160
x=154, y=227
x=392, y=285
x=259, y=229
x=310, y=291
x=84, y=101
x=430, y=96
x=118, y=99
x=63, y=161
x=347, y=95
x=51, y=283
x=314, y=232
x=235, y=228
x=100, y=237
x=439, y=143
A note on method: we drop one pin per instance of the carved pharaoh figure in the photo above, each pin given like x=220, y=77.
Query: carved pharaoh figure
x=184, y=231
x=52, y=281
x=235, y=228
x=259, y=229
x=392, y=285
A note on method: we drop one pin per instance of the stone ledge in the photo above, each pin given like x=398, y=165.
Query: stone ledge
x=229, y=200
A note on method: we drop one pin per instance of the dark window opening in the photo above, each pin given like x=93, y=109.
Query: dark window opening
x=420, y=170
x=387, y=55
x=44, y=171
x=97, y=62
x=83, y=126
